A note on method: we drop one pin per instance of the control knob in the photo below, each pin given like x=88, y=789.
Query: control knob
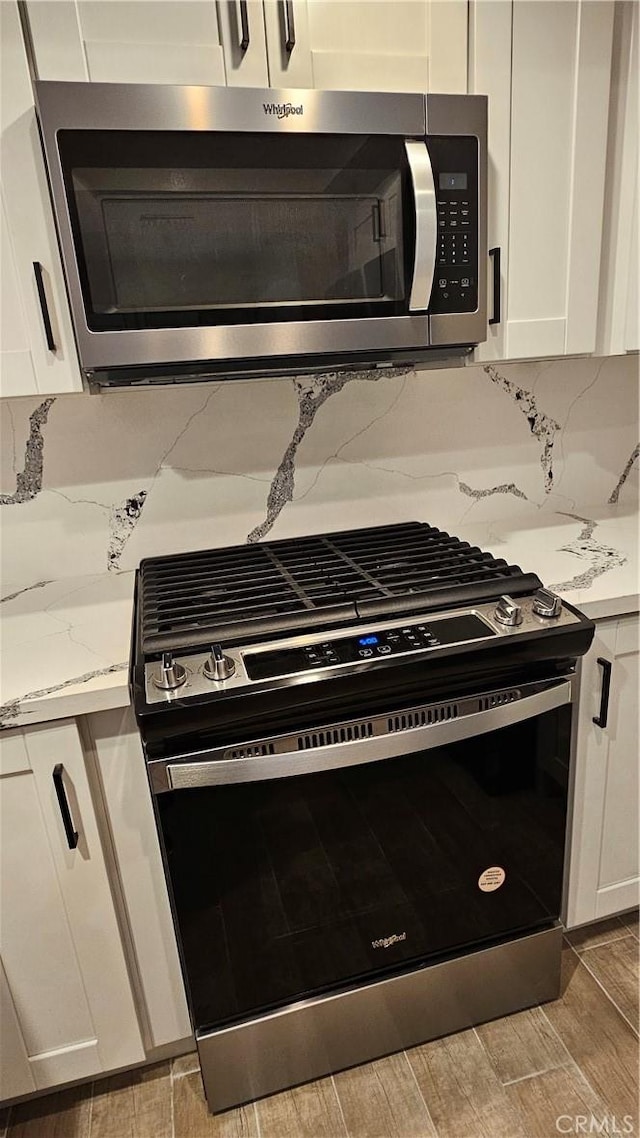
x=171, y=675
x=547, y=604
x=508, y=612
x=218, y=666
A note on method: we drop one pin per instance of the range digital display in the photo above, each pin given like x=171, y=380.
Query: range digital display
x=365, y=641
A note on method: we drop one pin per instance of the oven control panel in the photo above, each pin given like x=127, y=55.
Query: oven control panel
x=366, y=647
x=222, y=668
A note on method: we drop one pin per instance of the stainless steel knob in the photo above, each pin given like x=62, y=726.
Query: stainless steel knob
x=508, y=612
x=547, y=604
x=171, y=674
x=218, y=666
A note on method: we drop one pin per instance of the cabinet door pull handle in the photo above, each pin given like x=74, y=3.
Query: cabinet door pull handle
x=67, y=821
x=44, y=307
x=600, y=719
x=289, y=27
x=245, y=37
x=497, y=316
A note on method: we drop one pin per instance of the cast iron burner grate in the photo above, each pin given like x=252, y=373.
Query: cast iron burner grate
x=248, y=592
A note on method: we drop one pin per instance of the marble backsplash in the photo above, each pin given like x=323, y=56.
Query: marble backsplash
x=95, y=483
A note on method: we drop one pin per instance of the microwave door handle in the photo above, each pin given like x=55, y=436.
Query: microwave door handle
x=219, y=772
x=424, y=195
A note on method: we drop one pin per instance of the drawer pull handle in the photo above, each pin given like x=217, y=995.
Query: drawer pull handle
x=289, y=27
x=67, y=821
x=245, y=39
x=600, y=719
x=44, y=307
x=497, y=315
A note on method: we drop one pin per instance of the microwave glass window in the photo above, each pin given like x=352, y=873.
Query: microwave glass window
x=170, y=230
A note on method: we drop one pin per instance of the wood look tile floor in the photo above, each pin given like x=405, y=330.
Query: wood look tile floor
x=553, y=1069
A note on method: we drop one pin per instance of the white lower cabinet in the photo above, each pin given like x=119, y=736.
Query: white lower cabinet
x=68, y=1010
x=604, y=871
x=113, y=738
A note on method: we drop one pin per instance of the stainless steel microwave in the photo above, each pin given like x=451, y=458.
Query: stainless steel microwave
x=208, y=231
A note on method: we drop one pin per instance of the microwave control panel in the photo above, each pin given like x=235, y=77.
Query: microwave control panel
x=454, y=161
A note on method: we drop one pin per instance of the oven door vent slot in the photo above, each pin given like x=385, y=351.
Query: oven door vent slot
x=497, y=699
x=423, y=718
x=251, y=751
x=332, y=735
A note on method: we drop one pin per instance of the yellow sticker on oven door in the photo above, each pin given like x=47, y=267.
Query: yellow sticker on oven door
x=491, y=879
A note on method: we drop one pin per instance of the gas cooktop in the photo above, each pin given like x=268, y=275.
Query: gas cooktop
x=264, y=623
x=250, y=592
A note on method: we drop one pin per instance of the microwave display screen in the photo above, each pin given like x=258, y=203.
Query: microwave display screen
x=452, y=181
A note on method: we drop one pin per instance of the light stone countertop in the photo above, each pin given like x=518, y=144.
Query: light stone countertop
x=65, y=643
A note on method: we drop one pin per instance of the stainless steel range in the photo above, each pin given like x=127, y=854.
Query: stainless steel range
x=358, y=746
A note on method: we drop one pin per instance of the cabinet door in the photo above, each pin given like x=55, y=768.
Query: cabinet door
x=115, y=742
x=64, y=967
x=133, y=41
x=35, y=358
x=549, y=63
x=618, y=319
x=490, y=29
x=366, y=45
x=604, y=872
x=561, y=73
x=242, y=33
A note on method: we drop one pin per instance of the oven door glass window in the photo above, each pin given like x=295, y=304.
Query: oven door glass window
x=287, y=889
x=198, y=228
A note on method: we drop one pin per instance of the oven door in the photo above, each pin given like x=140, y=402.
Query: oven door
x=358, y=854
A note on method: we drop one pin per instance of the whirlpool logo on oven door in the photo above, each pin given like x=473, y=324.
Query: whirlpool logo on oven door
x=387, y=941
x=282, y=110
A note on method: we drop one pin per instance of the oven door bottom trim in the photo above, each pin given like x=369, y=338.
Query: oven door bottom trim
x=317, y=1037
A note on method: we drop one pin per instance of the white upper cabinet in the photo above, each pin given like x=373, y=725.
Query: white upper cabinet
x=368, y=45
x=242, y=33
x=549, y=62
x=618, y=316
x=37, y=350
x=172, y=41
x=67, y=1005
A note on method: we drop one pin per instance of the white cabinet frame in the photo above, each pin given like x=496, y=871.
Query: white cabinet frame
x=604, y=873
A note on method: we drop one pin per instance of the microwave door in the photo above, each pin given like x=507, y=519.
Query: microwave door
x=426, y=225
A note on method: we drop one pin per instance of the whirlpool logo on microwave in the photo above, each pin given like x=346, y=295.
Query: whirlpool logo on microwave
x=282, y=110
x=387, y=941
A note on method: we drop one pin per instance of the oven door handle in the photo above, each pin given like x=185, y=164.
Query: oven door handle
x=220, y=772
x=424, y=195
